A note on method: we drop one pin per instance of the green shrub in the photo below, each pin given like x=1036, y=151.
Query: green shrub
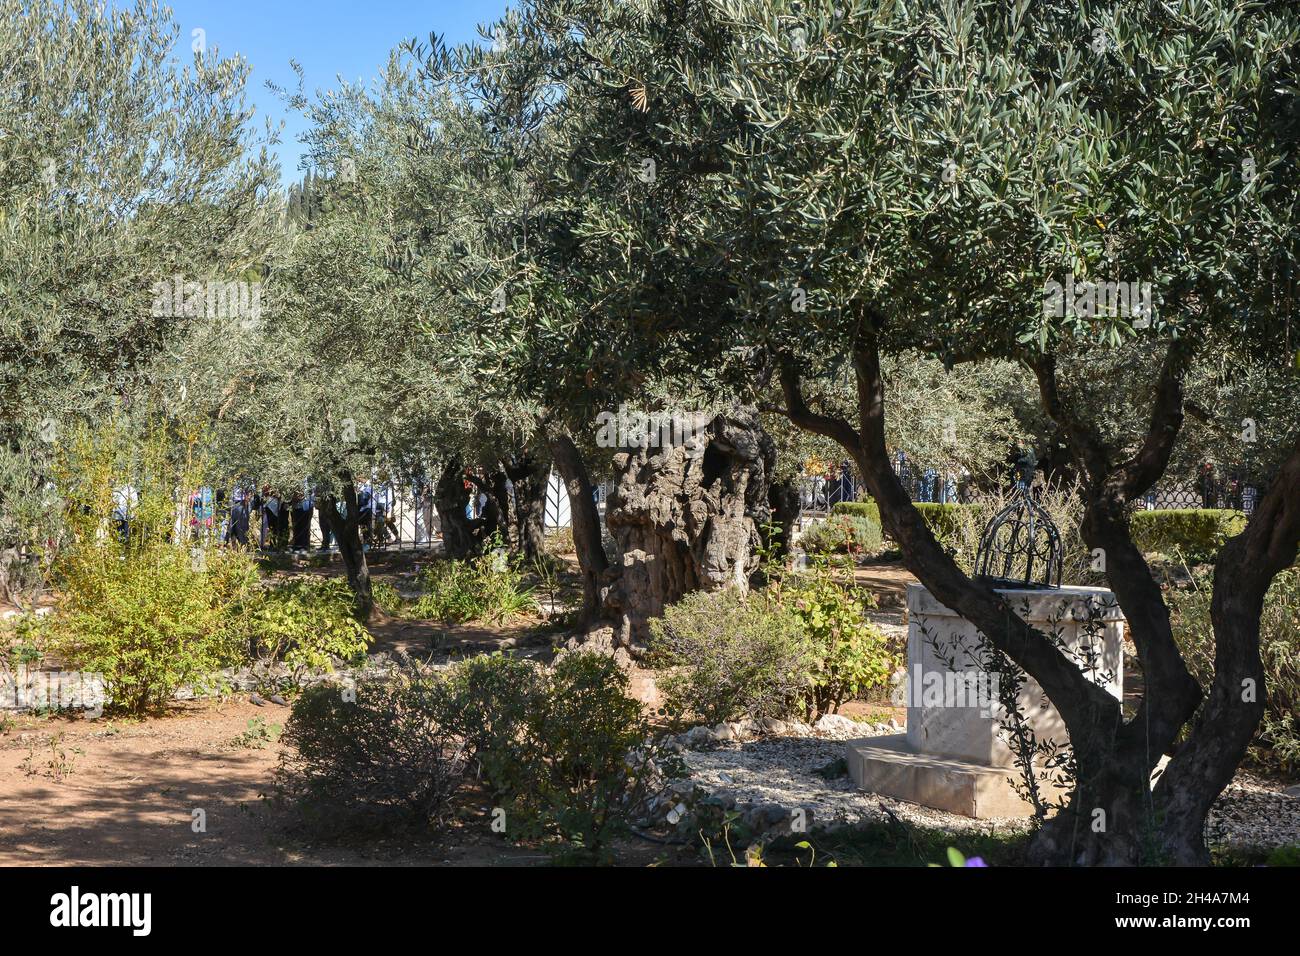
x=858, y=509
x=850, y=656
x=947, y=522
x=565, y=749
x=842, y=534
x=373, y=755
x=304, y=622
x=724, y=655
x=487, y=588
x=142, y=609
x=1195, y=533
x=387, y=597
x=1288, y=855
x=1277, y=742
x=486, y=705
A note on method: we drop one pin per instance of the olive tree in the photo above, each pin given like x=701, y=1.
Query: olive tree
x=120, y=168
x=844, y=183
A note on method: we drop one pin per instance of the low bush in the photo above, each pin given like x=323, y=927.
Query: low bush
x=566, y=751
x=843, y=534
x=1277, y=742
x=724, y=655
x=588, y=753
x=1196, y=534
x=802, y=646
x=388, y=598
x=146, y=609
x=373, y=755
x=150, y=621
x=487, y=588
x=486, y=703
x=305, y=623
x=849, y=655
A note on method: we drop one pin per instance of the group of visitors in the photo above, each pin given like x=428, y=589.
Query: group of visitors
x=282, y=521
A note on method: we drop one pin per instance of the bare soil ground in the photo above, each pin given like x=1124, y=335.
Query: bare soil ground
x=103, y=792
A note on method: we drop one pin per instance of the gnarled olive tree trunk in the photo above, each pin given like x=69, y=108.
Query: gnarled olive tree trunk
x=450, y=498
x=530, y=475
x=686, y=516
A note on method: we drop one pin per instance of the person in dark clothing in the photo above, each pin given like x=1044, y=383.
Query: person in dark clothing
x=300, y=516
x=237, y=530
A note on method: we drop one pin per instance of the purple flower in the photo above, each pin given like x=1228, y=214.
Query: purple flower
x=975, y=861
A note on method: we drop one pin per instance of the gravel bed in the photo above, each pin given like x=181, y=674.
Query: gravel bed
x=758, y=773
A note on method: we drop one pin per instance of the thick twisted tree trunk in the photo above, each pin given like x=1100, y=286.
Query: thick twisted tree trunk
x=345, y=525
x=1204, y=765
x=530, y=476
x=450, y=497
x=687, y=517
x=1113, y=816
x=1091, y=715
x=585, y=520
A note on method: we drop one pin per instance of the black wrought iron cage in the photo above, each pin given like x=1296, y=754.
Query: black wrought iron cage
x=1021, y=545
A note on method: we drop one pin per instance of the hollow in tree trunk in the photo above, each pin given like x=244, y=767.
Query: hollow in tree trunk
x=686, y=515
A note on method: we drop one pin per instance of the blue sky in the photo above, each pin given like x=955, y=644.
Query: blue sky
x=330, y=38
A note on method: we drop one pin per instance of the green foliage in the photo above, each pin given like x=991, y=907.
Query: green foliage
x=1284, y=856
x=305, y=622
x=723, y=655
x=843, y=534
x=485, y=706
x=859, y=509
x=258, y=734
x=119, y=168
x=850, y=655
x=369, y=756
x=947, y=522
x=387, y=597
x=1194, y=533
x=565, y=748
x=144, y=610
x=487, y=588
x=1277, y=742
x=802, y=646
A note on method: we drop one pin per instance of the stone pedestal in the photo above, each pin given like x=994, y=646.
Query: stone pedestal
x=953, y=755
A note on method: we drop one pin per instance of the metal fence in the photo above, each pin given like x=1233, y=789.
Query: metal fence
x=400, y=515
x=1238, y=493
x=820, y=493
x=395, y=515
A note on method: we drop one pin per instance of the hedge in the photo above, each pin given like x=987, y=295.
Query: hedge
x=1198, y=533
x=859, y=509
x=942, y=518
